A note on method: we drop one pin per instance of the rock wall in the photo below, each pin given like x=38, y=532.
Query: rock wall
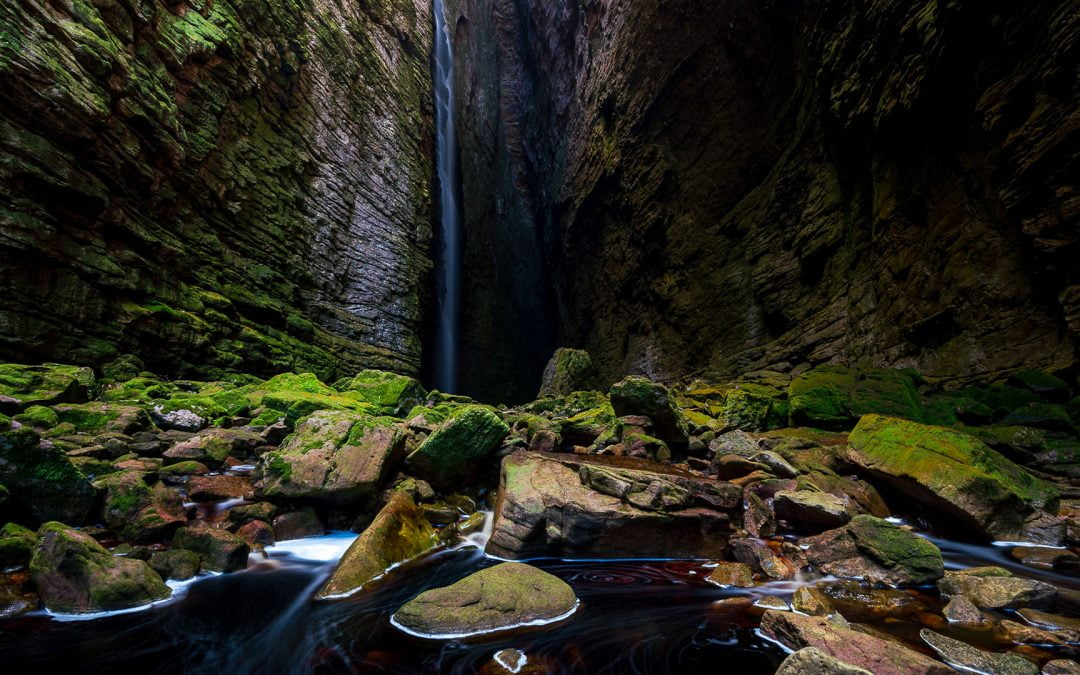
x=210, y=183
x=736, y=185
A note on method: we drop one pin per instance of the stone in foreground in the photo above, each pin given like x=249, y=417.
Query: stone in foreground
x=75, y=574
x=951, y=472
x=498, y=598
x=879, y=656
x=575, y=506
x=813, y=661
x=966, y=658
x=450, y=455
x=42, y=480
x=399, y=533
x=873, y=549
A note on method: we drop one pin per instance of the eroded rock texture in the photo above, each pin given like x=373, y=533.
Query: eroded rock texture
x=737, y=184
x=215, y=182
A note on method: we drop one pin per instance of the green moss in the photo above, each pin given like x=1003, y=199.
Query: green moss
x=832, y=397
x=38, y=417
x=448, y=454
x=88, y=418
x=393, y=394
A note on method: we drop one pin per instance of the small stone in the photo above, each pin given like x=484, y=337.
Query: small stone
x=962, y=611
x=965, y=657
x=180, y=420
x=1046, y=558
x=219, y=488
x=761, y=558
x=256, y=533
x=298, y=525
x=730, y=574
x=1061, y=667
x=219, y=550
x=758, y=518
x=1049, y=621
x=811, y=601
x=176, y=564
x=811, y=511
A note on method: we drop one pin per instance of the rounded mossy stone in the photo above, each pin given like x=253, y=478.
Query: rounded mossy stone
x=394, y=394
x=47, y=384
x=569, y=370
x=833, y=397
x=506, y=596
x=42, y=479
x=38, y=417
x=16, y=545
x=641, y=396
x=896, y=547
x=450, y=453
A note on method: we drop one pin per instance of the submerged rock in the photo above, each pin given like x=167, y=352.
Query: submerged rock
x=813, y=661
x=42, y=480
x=996, y=588
x=878, y=655
x=498, y=598
x=451, y=453
x=337, y=456
x=952, y=472
x=873, y=549
x=963, y=656
x=612, y=507
x=73, y=573
x=399, y=533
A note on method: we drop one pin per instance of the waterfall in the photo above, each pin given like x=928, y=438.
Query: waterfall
x=449, y=263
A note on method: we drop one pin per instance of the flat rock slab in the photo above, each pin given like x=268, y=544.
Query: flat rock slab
x=503, y=597
x=993, y=588
x=813, y=661
x=574, y=506
x=966, y=658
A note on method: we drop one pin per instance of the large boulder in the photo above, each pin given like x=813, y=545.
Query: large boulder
x=502, y=597
x=140, y=512
x=968, y=659
x=452, y=452
x=337, y=456
x=878, y=655
x=813, y=661
x=613, y=507
x=73, y=573
x=809, y=511
x=393, y=394
x=400, y=532
x=97, y=417
x=833, y=397
x=997, y=588
x=48, y=384
x=951, y=472
x=42, y=480
x=219, y=550
x=641, y=396
x=213, y=446
x=874, y=549
x=569, y=370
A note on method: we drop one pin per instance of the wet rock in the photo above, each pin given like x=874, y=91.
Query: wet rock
x=335, y=456
x=811, y=511
x=256, y=533
x=1046, y=558
x=873, y=549
x=73, y=573
x=1011, y=632
x=857, y=494
x=734, y=466
x=219, y=488
x=761, y=558
x=995, y=588
x=213, y=446
x=813, y=661
x=239, y=515
x=965, y=657
x=858, y=601
x=392, y=393
x=962, y=611
x=187, y=468
x=811, y=601
x=180, y=420
x=751, y=478
x=450, y=455
x=569, y=370
x=640, y=396
x=951, y=472
x=729, y=574
x=1049, y=621
x=399, y=533
x=498, y=598
x=589, y=506
x=879, y=656
x=138, y=511
x=176, y=564
x=298, y=525
x=219, y=550
x=42, y=480
x=16, y=545
x=758, y=518
x=44, y=385
x=517, y=662
x=1061, y=667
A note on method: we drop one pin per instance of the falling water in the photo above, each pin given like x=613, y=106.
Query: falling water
x=449, y=282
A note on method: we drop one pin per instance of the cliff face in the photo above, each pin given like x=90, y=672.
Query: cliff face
x=737, y=185
x=210, y=183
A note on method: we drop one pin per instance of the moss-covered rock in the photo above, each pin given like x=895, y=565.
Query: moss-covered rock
x=177, y=564
x=73, y=573
x=38, y=417
x=213, y=446
x=16, y=545
x=505, y=596
x=393, y=394
x=44, y=385
x=139, y=512
x=997, y=588
x=399, y=533
x=874, y=549
x=641, y=396
x=219, y=550
x=831, y=397
x=97, y=417
x=950, y=471
x=337, y=456
x=569, y=370
x=451, y=453
x=42, y=480
x=1047, y=386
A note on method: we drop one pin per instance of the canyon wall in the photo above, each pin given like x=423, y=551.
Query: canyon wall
x=716, y=187
x=216, y=184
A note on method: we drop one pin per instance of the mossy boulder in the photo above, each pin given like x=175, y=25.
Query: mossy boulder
x=16, y=545
x=213, y=446
x=38, y=417
x=219, y=550
x=97, y=417
x=291, y=397
x=874, y=549
x=1047, y=386
x=450, y=455
x=399, y=533
x=339, y=456
x=137, y=511
x=123, y=368
x=950, y=471
x=42, y=480
x=502, y=597
x=45, y=385
x=997, y=588
x=73, y=573
x=569, y=370
x=177, y=564
x=393, y=394
x=832, y=397
x=641, y=396
x=758, y=405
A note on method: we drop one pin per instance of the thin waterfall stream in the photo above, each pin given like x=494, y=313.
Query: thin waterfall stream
x=449, y=263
